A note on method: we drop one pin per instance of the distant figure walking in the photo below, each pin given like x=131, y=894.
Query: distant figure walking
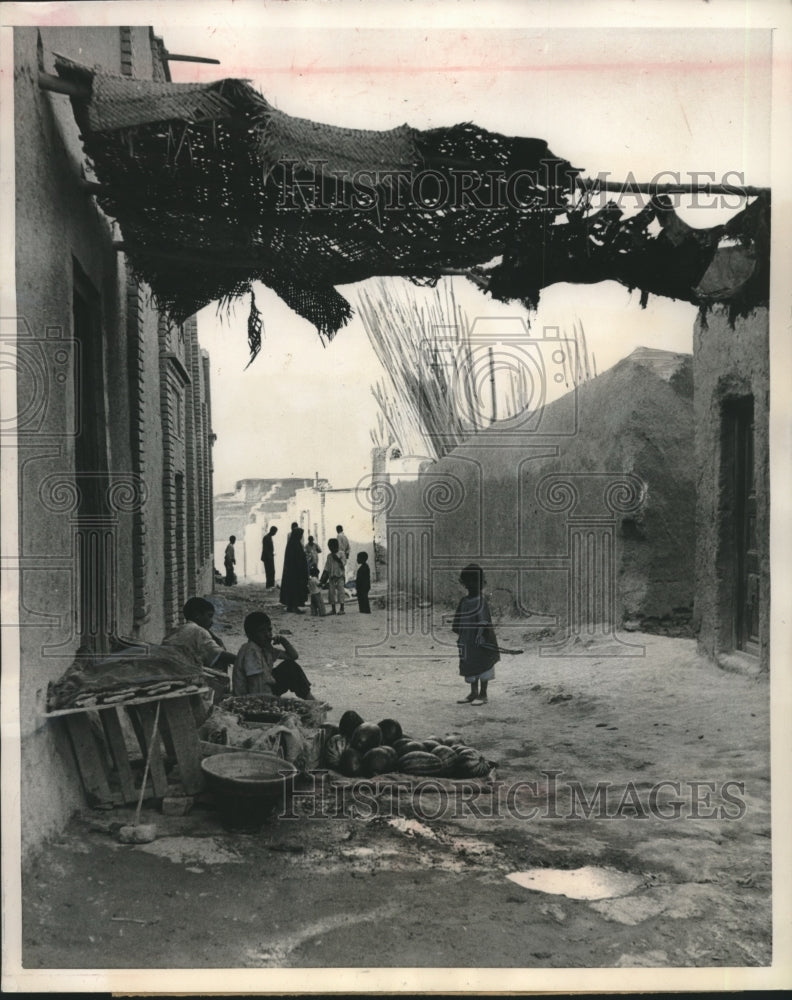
x=230, y=562
x=363, y=583
x=478, y=646
x=268, y=556
x=294, y=580
x=343, y=542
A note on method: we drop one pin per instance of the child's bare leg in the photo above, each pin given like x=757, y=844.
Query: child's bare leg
x=473, y=694
x=481, y=698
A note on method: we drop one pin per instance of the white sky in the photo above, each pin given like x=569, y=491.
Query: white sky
x=619, y=100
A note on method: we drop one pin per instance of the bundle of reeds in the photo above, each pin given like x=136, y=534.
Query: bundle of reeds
x=429, y=398
x=422, y=341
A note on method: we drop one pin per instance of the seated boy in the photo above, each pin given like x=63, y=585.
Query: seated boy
x=198, y=643
x=254, y=672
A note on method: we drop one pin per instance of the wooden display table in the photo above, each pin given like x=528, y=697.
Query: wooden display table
x=110, y=780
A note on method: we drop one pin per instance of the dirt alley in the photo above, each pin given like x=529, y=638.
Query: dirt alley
x=424, y=883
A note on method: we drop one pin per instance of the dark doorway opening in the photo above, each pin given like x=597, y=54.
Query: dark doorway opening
x=94, y=542
x=740, y=510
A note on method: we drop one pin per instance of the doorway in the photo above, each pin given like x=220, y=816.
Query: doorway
x=95, y=549
x=738, y=426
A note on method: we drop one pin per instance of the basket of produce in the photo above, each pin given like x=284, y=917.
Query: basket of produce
x=363, y=749
x=248, y=787
x=267, y=708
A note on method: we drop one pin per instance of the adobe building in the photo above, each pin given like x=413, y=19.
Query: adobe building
x=732, y=414
x=113, y=427
x=581, y=513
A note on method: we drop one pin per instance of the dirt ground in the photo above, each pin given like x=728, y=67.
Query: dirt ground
x=420, y=879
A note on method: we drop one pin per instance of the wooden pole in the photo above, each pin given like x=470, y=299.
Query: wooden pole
x=174, y=57
x=55, y=85
x=494, y=417
x=633, y=187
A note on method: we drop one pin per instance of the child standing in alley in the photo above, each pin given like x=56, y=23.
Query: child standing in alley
x=333, y=576
x=317, y=601
x=363, y=583
x=478, y=646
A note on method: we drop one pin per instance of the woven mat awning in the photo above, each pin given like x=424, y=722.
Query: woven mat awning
x=215, y=189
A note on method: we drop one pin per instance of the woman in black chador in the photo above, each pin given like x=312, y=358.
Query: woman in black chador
x=294, y=580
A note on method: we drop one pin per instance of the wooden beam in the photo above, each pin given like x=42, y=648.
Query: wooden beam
x=56, y=85
x=174, y=57
x=632, y=187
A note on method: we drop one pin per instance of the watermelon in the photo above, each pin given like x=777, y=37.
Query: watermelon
x=333, y=749
x=421, y=762
x=349, y=722
x=446, y=754
x=379, y=760
x=351, y=763
x=471, y=764
x=409, y=747
x=398, y=744
x=430, y=745
x=451, y=739
x=367, y=736
x=391, y=731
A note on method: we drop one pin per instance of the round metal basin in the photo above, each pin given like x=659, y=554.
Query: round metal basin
x=248, y=787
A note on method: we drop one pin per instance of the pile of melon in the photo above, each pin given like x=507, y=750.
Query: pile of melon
x=359, y=749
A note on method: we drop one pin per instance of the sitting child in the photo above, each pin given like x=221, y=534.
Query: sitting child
x=254, y=672
x=317, y=601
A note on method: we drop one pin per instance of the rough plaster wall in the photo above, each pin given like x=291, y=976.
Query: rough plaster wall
x=629, y=420
x=728, y=363
x=154, y=628
x=56, y=221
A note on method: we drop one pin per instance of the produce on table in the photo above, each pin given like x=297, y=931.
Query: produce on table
x=366, y=737
x=245, y=706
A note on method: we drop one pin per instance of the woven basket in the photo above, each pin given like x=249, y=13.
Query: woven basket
x=246, y=707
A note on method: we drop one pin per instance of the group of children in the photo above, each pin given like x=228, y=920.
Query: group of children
x=333, y=575
x=260, y=668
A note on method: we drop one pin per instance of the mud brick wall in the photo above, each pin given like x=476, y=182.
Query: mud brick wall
x=549, y=505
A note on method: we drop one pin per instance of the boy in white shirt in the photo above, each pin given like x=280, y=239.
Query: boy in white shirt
x=255, y=670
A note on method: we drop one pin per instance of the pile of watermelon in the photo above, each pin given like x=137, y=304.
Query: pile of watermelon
x=357, y=748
